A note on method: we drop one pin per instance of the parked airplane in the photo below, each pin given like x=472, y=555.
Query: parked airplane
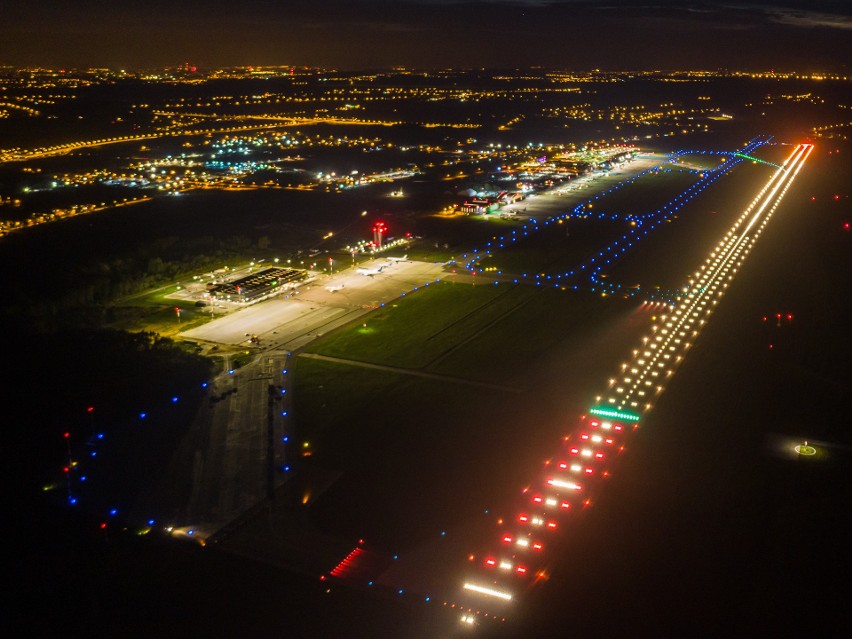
x=369, y=271
x=333, y=289
x=404, y=258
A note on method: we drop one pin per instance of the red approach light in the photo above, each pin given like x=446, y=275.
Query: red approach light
x=789, y=316
x=846, y=226
x=103, y=525
x=90, y=409
x=836, y=197
x=66, y=435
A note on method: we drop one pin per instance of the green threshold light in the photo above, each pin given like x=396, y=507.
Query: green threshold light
x=614, y=414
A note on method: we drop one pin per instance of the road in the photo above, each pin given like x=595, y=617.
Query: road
x=224, y=464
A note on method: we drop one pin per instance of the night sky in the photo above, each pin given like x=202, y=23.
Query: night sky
x=572, y=34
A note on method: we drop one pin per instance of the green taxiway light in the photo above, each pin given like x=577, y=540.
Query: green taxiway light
x=615, y=414
x=754, y=159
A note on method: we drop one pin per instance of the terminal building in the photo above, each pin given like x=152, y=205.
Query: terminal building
x=252, y=288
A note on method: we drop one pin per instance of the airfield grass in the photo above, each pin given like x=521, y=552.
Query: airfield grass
x=153, y=311
x=560, y=246
x=505, y=333
x=678, y=247
x=158, y=318
x=699, y=161
x=511, y=348
x=418, y=328
x=554, y=249
x=646, y=193
x=390, y=433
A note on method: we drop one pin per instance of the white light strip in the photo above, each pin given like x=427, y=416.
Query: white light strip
x=488, y=591
x=564, y=484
